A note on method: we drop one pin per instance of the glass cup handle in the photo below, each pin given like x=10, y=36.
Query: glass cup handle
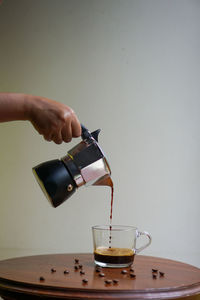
x=138, y=234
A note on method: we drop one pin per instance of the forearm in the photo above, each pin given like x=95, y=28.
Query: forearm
x=14, y=106
x=54, y=120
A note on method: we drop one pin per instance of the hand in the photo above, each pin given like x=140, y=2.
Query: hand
x=55, y=121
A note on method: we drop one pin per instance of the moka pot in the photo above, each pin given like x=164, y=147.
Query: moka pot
x=84, y=164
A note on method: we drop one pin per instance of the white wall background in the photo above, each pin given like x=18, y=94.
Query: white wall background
x=130, y=68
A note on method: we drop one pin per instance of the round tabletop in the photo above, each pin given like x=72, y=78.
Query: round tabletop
x=74, y=276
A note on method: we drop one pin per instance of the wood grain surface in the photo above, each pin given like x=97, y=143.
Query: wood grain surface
x=43, y=276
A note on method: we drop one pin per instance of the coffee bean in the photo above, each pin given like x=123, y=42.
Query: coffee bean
x=124, y=271
x=162, y=274
x=101, y=275
x=85, y=280
x=42, y=278
x=154, y=271
x=131, y=269
x=53, y=270
x=108, y=281
x=76, y=260
x=154, y=276
x=80, y=266
x=82, y=272
x=98, y=270
x=76, y=268
x=115, y=281
x=66, y=272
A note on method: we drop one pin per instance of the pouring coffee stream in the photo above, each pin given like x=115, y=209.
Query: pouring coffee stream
x=84, y=164
x=108, y=181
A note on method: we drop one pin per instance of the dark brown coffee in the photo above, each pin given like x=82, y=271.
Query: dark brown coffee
x=114, y=255
x=106, y=180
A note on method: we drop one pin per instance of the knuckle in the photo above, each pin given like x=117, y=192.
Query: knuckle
x=47, y=139
x=71, y=111
x=58, y=142
x=68, y=139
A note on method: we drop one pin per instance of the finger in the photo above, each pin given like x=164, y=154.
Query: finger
x=48, y=136
x=75, y=127
x=48, y=139
x=57, y=138
x=67, y=133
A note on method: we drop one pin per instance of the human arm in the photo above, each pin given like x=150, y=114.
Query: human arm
x=54, y=120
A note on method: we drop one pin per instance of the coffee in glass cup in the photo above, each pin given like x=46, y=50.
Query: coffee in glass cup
x=116, y=247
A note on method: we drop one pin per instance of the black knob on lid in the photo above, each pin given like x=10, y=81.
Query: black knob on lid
x=86, y=134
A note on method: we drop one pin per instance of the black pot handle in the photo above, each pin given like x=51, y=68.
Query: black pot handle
x=86, y=134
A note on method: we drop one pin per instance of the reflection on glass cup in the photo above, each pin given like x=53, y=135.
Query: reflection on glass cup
x=116, y=247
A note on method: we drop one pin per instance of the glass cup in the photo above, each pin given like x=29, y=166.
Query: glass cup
x=115, y=246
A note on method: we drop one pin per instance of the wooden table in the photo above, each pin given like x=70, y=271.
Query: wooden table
x=43, y=276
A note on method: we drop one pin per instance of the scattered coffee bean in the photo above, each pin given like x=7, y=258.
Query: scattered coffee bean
x=131, y=270
x=66, y=272
x=124, y=271
x=115, y=281
x=162, y=274
x=154, y=276
x=101, y=275
x=108, y=281
x=76, y=260
x=132, y=275
x=82, y=272
x=98, y=270
x=85, y=280
x=42, y=278
x=80, y=266
x=154, y=271
x=53, y=270
x=75, y=268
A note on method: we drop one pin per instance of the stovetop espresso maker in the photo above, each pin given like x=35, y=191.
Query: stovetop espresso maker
x=84, y=164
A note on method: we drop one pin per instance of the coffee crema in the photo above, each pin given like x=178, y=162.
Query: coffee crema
x=114, y=255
